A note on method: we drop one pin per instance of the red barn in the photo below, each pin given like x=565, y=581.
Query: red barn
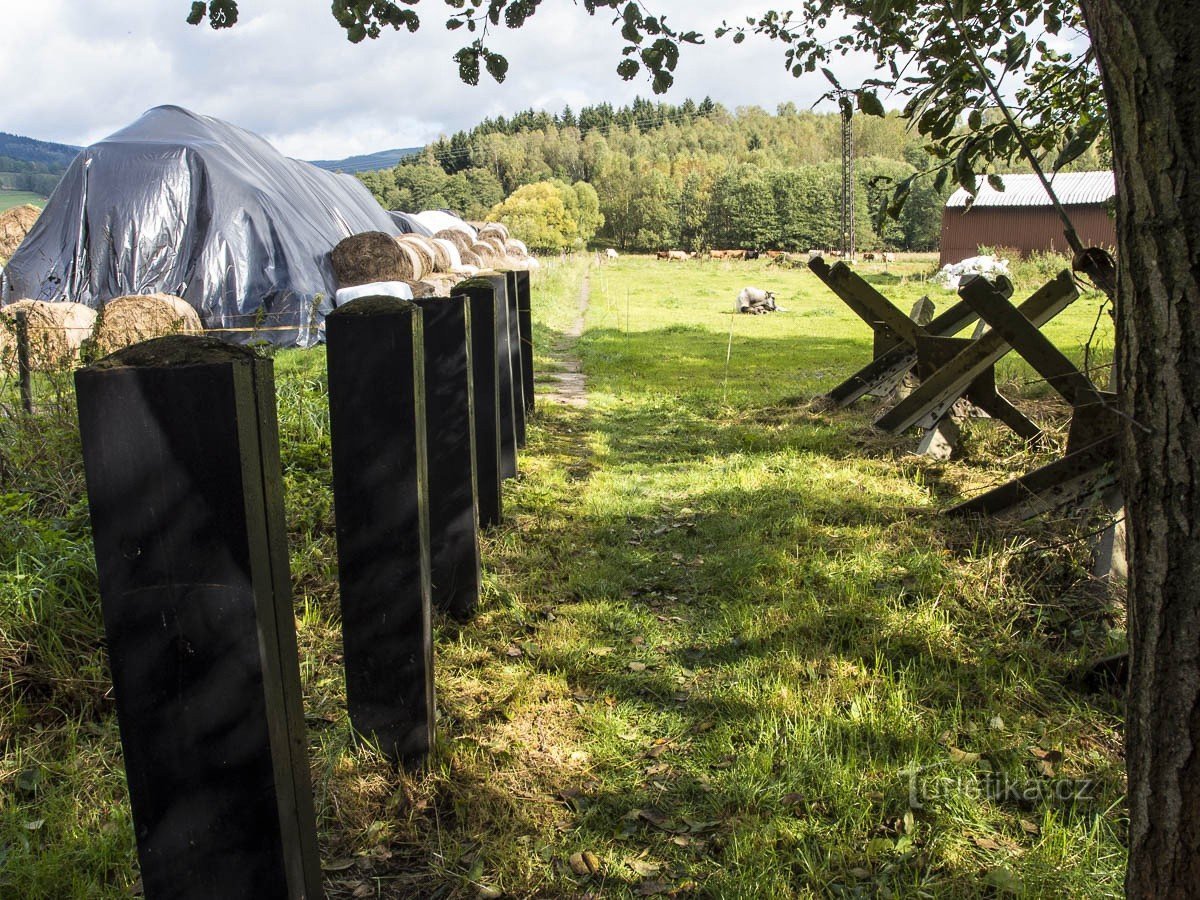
x=1021, y=216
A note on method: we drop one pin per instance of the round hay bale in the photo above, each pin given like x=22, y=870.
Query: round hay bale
x=495, y=228
x=421, y=289
x=470, y=259
x=488, y=257
x=448, y=251
x=411, y=263
x=457, y=237
x=426, y=249
x=496, y=243
x=367, y=257
x=516, y=248
x=14, y=225
x=139, y=317
x=56, y=332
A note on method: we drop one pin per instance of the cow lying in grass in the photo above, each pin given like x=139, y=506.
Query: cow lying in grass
x=756, y=301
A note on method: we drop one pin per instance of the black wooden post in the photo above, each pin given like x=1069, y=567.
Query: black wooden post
x=485, y=388
x=181, y=455
x=508, y=375
x=455, y=573
x=519, y=284
x=24, y=376
x=377, y=426
x=514, y=351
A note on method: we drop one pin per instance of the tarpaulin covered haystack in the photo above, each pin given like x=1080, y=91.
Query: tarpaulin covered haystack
x=183, y=204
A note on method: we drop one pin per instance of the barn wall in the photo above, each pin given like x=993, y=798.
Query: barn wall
x=1024, y=228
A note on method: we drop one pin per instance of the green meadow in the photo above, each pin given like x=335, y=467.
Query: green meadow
x=728, y=647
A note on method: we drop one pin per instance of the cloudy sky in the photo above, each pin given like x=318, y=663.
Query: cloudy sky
x=75, y=72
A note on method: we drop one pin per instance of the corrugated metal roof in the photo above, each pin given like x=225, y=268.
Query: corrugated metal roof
x=1025, y=190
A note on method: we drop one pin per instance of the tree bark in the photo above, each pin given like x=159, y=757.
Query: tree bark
x=1149, y=55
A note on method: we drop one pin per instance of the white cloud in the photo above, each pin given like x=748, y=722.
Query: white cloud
x=287, y=72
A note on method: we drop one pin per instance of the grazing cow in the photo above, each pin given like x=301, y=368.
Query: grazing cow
x=664, y=254
x=868, y=256
x=718, y=254
x=673, y=255
x=610, y=253
x=753, y=254
x=755, y=301
x=889, y=257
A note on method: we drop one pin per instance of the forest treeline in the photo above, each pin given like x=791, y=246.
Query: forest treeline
x=691, y=175
x=688, y=175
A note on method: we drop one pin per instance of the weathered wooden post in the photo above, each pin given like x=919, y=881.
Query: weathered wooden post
x=377, y=427
x=485, y=387
x=514, y=351
x=24, y=370
x=456, y=578
x=519, y=284
x=508, y=373
x=181, y=455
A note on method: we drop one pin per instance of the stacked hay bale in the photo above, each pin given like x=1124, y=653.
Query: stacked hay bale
x=138, y=317
x=56, y=333
x=374, y=256
x=457, y=237
x=15, y=223
x=423, y=249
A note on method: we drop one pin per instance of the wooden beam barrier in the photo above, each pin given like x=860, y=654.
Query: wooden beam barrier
x=938, y=393
x=456, y=578
x=24, y=368
x=517, y=354
x=377, y=417
x=181, y=456
x=480, y=296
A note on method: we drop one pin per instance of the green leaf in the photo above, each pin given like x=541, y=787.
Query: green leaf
x=497, y=66
x=996, y=182
x=869, y=103
x=832, y=80
x=628, y=69
x=974, y=120
x=196, y=16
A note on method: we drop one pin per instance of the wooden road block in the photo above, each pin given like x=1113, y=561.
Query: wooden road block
x=508, y=371
x=480, y=296
x=181, y=454
x=938, y=393
x=456, y=579
x=519, y=279
x=375, y=356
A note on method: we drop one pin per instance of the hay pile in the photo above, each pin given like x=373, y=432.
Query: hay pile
x=373, y=256
x=14, y=225
x=488, y=257
x=516, y=248
x=457, y=237
x=471, y=259
x=435, y=286
x=56, y=332
x=139, y=317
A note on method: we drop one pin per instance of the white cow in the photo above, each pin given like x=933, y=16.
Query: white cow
x=755, y=301
x=610, y=253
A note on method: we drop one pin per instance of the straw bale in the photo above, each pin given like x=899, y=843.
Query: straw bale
x=496, y=243
x=457, y=237
x=370, y=256
x=495, y=228
x=447, y=255
x=139, y=317
x=423, y=248
x=487, y=254
x=470, y=259
x=56, y=332
x=14, y=225
x=516, y=248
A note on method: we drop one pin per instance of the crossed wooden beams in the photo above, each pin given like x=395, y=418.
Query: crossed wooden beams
x=1089, y=466
x=950, y=369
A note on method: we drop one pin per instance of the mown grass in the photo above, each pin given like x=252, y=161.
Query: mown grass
x=727, y=645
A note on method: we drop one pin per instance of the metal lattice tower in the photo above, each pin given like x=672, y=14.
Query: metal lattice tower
x=847, y=247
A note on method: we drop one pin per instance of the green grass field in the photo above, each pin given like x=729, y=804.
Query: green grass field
x=9, y=199
x=728, y=647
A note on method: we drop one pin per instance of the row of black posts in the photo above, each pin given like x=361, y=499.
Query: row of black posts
x=428, y=400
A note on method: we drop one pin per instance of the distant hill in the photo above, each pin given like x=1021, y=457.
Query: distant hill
x=384, y=159
x=56, y=157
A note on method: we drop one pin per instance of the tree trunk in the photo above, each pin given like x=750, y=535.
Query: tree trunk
x=1149, y=52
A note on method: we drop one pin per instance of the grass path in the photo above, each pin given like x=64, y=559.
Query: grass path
x=569, y=383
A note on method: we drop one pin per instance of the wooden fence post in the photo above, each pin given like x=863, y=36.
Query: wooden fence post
x=24, y=376
x=181, y=456
x=520, y=285
x=481, y=298
x=456, y=578
x=515, y=349
x=508, y=375
x=375, y=358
